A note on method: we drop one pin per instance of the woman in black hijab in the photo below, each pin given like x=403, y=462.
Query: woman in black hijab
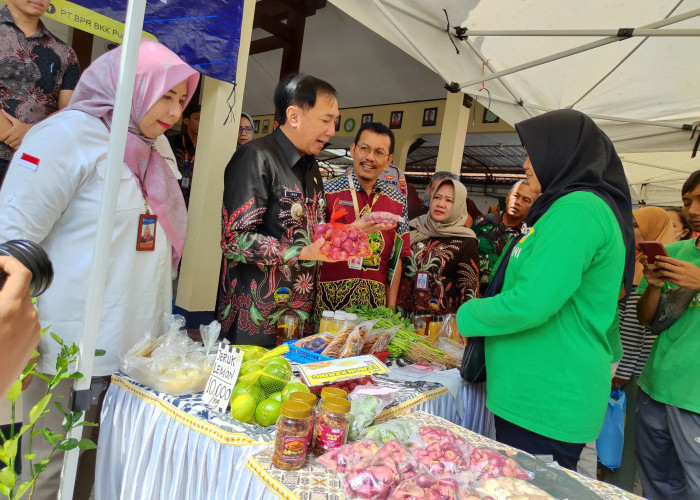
x=551, y=333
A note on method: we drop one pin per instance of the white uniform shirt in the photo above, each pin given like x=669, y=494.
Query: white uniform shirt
x=56, y=205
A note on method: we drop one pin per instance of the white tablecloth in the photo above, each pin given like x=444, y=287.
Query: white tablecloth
x=154, y=446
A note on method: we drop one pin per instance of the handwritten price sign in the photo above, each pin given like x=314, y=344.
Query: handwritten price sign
x=223, y=377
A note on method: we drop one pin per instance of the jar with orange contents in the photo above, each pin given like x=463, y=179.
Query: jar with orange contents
x=331, y=425
x=291, y=441
x=309, y=399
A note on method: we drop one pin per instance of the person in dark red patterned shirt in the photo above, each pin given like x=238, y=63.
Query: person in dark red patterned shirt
x=372, y=281
x=38, y=73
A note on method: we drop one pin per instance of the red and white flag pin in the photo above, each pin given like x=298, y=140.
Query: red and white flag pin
x=29, y=161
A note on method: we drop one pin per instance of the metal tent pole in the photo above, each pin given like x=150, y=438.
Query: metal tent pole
x=579, y=49
x=105, y=226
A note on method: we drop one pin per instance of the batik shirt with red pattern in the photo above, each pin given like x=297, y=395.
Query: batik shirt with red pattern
x=33, y=70
x=342, y=286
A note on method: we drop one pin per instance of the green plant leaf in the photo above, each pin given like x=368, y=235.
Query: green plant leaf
x=56, y=338
x=5, y=458
x=10, y=447
x=4, y=490
x=24, y=429
x=85, y=423
x=8, y=477
x=38, y=410
x=100, y=352
x=68, y=444
x=40, y=466
x=23, y=488
x=15, y=391
x=86, y=444
x=49, y=436
x=30, y=456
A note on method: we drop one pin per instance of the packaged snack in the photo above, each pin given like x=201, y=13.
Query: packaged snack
x=291, y=439
x=335, y=348
x=315, y=343
x=311, y=400
x=331, y=425
x=356, y=339
x=381, y=340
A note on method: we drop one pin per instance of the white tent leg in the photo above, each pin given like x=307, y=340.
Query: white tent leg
x=105, y=226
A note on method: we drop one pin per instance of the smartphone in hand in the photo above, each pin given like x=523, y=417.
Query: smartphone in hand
x=652, y=249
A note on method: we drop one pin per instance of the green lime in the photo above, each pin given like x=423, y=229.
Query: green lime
x=243, y=408
x=277, y=396
x=253, y=389
x=274, y=377
x=267, y=412
x=293, y=387
x=279, y=361
x=248, y=367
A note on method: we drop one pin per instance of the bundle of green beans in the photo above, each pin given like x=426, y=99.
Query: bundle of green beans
x=404, y=337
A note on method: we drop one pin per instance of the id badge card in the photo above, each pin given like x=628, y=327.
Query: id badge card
x=422, y=281
x=185, y=182
x=355, y=263
x=146, y=236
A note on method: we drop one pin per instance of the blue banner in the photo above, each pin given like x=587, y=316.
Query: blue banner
x=205, y=33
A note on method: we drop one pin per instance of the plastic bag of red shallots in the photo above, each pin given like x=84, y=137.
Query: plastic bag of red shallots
x=343, y=241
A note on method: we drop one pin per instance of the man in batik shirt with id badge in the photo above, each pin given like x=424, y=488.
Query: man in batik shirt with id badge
x=371, y=281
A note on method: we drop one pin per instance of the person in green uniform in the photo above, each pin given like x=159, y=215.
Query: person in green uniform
x=668, y=411
x=551, y=333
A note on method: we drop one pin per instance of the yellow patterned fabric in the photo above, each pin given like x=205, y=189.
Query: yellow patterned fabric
x=336, y=295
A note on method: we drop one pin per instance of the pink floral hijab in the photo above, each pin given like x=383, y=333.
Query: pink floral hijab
x=158, y=70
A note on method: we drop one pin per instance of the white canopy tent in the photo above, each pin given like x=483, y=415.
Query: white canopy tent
x=629, y=65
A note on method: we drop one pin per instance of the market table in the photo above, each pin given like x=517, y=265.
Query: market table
x=156, y=446
x=315, y=482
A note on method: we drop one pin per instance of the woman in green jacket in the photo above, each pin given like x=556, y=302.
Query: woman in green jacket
x=552, y=333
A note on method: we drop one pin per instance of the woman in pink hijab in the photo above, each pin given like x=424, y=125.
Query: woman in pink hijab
x=52, y=194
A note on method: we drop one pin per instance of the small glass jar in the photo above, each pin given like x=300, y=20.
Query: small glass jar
x=291, y=440
x=310, y=399
x=332, y=423
x=331, y=391
x=326, y=324
x=351, y=320
x=339, y=318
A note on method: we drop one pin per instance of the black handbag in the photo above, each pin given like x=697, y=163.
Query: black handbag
x=473, y=367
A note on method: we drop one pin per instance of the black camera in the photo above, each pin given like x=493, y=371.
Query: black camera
x=34, y=258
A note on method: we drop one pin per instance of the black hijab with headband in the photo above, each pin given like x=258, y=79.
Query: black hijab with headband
x=570, y=153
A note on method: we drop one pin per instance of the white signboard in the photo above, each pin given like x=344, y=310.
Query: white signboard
x=223, y=377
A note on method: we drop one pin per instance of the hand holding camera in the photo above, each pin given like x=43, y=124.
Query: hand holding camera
x=25, y=271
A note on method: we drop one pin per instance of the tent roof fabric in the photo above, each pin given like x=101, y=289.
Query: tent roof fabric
x=639, y=89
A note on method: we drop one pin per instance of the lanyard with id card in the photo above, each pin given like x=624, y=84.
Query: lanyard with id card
x=146, y=234
x=356, y=262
